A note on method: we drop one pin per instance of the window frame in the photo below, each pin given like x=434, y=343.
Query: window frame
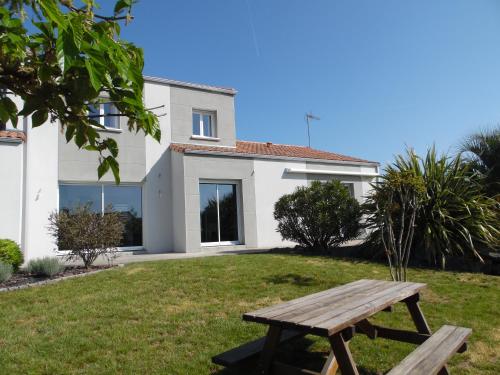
x=213, y=123
x=102, y=119
x=239, y=213
x=103, y=208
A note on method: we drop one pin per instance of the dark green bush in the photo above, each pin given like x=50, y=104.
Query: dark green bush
x=5, y=272
x=321, y=216
x=47, y=266
x=10, y=253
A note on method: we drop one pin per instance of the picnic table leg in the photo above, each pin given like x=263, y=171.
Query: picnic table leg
x=331, y=365
x=417, y=315
x=343, y=355
x=269, y=349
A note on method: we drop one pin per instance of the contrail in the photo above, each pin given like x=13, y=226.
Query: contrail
x=252, y=27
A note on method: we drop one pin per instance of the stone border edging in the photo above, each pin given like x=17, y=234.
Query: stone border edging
x=52, y=281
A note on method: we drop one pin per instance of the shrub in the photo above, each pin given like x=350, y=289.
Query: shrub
x=321, y=216
x=11, y=254
x=6, y=270
x=84, y=234
x=47, y=266
x=455, y=216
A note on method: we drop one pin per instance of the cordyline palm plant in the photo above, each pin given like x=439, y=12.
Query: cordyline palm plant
x=482, y=151
x=454, y=216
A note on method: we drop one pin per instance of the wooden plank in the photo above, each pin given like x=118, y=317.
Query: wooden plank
x=234, y=356
x=329, y=303
x=331, y=365
x=431, y=357
x=343, y=355
x=281, y=307
x=400, y=335
x=367, y=328
x=352, y=313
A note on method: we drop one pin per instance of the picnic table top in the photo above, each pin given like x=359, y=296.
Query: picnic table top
x=330, y=311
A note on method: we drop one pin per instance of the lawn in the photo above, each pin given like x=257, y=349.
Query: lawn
x=170, y=317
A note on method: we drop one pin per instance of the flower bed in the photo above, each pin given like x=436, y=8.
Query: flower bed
x=22, y=279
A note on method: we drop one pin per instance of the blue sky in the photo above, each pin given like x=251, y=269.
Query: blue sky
x=382, y=75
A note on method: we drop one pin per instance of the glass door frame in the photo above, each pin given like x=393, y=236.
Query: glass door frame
x=238, y=212
x=101, y=187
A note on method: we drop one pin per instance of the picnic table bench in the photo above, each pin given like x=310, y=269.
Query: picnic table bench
x=338, y=314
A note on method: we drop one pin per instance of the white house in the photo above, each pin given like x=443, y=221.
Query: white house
x=199, y=187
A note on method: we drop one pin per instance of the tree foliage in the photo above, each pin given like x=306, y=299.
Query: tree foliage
x=454, y=218
x=482, y=151
x=83, y=234
x=67, y=60
x=394, y=203
x=320, y=216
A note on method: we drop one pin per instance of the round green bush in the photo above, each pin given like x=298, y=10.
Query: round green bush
x=10, y=253
x=5, y=272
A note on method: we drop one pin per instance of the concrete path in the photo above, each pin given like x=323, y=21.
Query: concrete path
x=142, y=256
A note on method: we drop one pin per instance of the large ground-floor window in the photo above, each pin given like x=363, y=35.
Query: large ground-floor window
x=126, y=199
x=219, y=213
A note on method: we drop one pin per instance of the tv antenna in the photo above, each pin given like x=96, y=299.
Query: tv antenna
x=309, y=117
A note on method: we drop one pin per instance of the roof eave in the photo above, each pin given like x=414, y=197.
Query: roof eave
x=197, y=86
x=278, y=157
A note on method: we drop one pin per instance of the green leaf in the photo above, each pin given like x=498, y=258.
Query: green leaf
x=94, y=79
x=70, y=131
x=115, y=168
x=52, y=12
x=122, y=4
x=8, y=110
x=39, y=117
x=103, y=168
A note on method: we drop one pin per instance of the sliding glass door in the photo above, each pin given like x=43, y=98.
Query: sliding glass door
x=219, y=213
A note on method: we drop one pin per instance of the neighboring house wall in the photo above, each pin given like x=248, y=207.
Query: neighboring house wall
x=157, y=189
x=11, y=188
x=217, y=169
x=185, y=100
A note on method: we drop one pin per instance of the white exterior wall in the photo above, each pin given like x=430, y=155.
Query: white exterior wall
x=41, y=189
x=11, y=189
x=271, y=182
x=157, y=188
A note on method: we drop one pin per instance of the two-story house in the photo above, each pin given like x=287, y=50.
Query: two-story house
x=198, y=188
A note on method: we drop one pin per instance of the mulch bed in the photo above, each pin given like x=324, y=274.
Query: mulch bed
x=21, y=278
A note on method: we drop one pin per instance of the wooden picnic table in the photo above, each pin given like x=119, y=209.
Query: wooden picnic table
x=337, y=314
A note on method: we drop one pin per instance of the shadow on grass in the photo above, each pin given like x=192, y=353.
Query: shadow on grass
x=295, y=353
x=291, y=278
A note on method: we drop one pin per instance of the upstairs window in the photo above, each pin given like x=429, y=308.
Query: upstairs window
x=107, y=113
x=204, y=124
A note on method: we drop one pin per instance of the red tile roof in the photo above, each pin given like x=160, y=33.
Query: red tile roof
x=268, y=149
x=13, y=134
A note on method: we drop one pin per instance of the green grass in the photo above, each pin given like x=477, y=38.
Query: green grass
x=170, y=317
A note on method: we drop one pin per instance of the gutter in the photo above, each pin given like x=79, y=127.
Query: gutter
x=326, y=172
